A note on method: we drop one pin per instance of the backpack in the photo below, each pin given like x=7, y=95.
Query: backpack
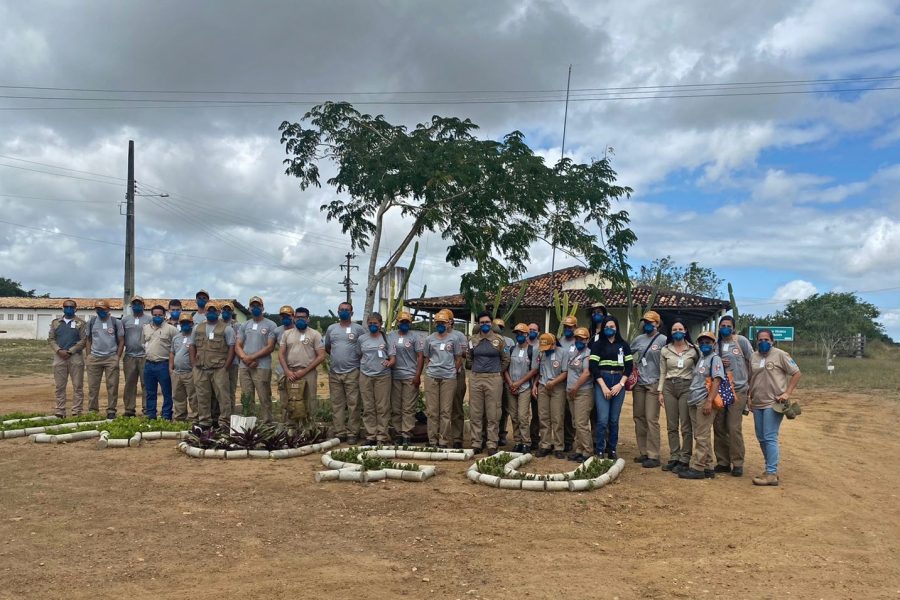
x=725, y=394
x=112, y=319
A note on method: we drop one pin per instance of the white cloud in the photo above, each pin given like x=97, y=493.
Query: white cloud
x=794, y=290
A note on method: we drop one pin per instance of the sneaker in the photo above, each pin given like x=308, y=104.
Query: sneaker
x=722, y=469
x=680, y=467
x=737, y=472
x=579, y=458
x=502, y=442
x=110, y=414
x=691, y=474
x=650, y=463
x=542, y=452
x=641, y=458
x=371, y=442
x=405, y=440
x=612, y=455
x=766, y=479
x=669, y=466
x=491, y=451
x=709, y=473
x=560, y=454
x=457, y=445
x=342, y=437
x=477, y=449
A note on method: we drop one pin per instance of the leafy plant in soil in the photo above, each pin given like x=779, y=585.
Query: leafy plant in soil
x=209, y=439
x=51, y=422
x=20, y=415
x=247, y=439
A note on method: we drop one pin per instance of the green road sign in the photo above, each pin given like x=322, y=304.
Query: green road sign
x=781, y=334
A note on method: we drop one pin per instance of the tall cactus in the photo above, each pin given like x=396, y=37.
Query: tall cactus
x=395, y=296
x=512, y=308
x=635, y=310
x=738, y=321
x=563, y=310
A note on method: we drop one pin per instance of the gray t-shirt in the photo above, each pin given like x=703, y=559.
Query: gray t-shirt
x=254, y=336
x=553, y=365
x=701, y=372
x=441, y=355
x=374, y=350
x=460, y=340
x=740, y=354
x=104, y=336
x=134, y=334
x=578, y=363
x=520, y=363
x=181, y=346
x=276, y=364
x=407, y=347
x=646, y=356
x=567, y=345
x=342, y=343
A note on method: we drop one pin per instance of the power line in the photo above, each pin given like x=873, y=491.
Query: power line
x=57, y=199
x=118, y=184
x=33, y=162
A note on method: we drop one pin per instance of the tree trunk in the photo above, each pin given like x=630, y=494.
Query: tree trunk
x=375, y=275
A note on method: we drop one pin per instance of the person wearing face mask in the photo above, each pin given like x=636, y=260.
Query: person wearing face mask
x=227, y=317
x=175, y=312
x=518, y=377
x=534, y=331
x=105, y=344
x=567, y=344
x=133, y=358
x=202, y=298
x=457, y=416
x=580, y=394
x=406, y=378
x=774, y=376
x=597, y=312
x=301, y=350
x=550, y=390
x=676, y=369
x=489, y=358
x=158, y=338
x=735, y=351
x=499, y=327
x=443, y=358
x=286, y=323
x=377, y=357
x=708, y=374
x=342, y=343
x=183, y=395
x=611, y=365
x=255, y=343
x=647, y=347
x=67, y=338
x=212, y=351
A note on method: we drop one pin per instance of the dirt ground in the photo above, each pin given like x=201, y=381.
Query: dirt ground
x=152, y=523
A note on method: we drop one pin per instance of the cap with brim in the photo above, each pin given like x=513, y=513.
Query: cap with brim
x=547, y=341
x=441, y=317
x=570, y=321
x=225, y=306
x=449, y=313
x=404, y=316
x=521, y=328
x=651, y=316
x=256, y=299
x=597, y=305
x=286, y=310
x=499, y=323
x=137, y=298
x=582, y=332
x=204, y=292
x=102, y=304
x=185, y=318
x=792, y=410
x=159, y=306
x=707, y=334
x=211, y=306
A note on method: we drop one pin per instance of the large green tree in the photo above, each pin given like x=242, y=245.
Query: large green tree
x=832, y=320
x=489, y=200
x=692, y=279
x=8, y=287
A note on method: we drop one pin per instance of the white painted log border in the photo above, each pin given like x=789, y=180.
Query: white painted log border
x=347, y=471
x=552, y=482
x=274, y=454
x=104, y=441
x=31, y=431
x=30, y=420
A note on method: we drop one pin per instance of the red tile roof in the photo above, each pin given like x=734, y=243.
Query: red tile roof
x=189, y=304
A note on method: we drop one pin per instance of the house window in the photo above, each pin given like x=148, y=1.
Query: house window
x=21, y=316
x=10, y=317
x=31, y=317
x=1, y=317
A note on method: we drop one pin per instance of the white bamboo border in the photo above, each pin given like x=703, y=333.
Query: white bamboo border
x=551, y=482
x=104, y=441
x=274, y=454
x=347, y=471
x=28, y=431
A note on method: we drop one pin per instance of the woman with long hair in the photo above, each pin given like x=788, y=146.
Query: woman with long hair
x=676, y=368
x=611, y=365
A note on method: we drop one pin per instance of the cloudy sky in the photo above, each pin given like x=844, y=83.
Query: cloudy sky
x=782, y=194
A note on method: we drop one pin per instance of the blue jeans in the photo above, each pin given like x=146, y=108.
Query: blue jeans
x=608, y=411
x=767, y=422
x=157, y=373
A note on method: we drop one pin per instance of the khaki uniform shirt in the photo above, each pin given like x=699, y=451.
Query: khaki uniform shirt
x=769, y=376
x=673, y=365
x=301, y=347
x=158, y=341
x=77, y=336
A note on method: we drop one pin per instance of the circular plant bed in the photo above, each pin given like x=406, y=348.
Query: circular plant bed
x=373, y=463
x=31, y=425
x=250, y=440
x=122, y=432
x=501, y=471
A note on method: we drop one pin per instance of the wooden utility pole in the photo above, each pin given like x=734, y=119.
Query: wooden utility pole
x=129, y=231
x=562, y=155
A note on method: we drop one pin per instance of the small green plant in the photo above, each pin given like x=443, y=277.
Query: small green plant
x=51, y=422
x=248, y=407
x=20, y=415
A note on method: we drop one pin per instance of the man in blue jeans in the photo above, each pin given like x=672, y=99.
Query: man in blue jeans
x=158, y=336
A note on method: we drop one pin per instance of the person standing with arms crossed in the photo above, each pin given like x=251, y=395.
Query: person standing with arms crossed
x=342, y=343
x=408, y=346
x=255, y=344
x=300, y=352
x=735, y=351
x=105, y=344
x=443, y=358
x=133, y=359
x=487, y=352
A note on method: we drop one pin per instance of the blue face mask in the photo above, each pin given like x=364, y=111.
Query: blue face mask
x=609, y=331
x=548, y=352
x=677, y=335
x=580, y=345
x=765, y=346
x=725, y=331
x=532, y=335
x=186, y=327
x=568, y=332
x=597, y=318
x=137, y=308
x=373, y=328
x=706, y=348
x=648, y=328
x=300, y=323
x=521, y=339
x=344, y=315
x=201, y=302
x=158, y=320
x=485, y=328
x=69, y=311
x=175, y=313
x=212, y=317
x=404, y=327
x=440, y=328
x=286, y=321
x=226, y=315
x=256, y=311
x=102, y=314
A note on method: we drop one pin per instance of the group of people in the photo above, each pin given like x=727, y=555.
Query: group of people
x=561, y=396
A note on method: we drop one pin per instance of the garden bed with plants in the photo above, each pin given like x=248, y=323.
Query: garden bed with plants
x=121, y=432
x=16, y=425
x=501, y=471
x=374, y=463
x=257, y=441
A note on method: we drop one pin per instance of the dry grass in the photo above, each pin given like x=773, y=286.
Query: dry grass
x=24, y=357
x=880, y=372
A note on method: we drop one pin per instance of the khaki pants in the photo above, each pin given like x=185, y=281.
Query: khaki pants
x=375, y=393
x=345, y=402
x=552, y=409
x=520, y=415
x=309, y=394
x=580, y=408
x=63, y=370
x=568, y=426
x=206, y=383
x=97, y=367
x=457, y=415
x=646, y=419
x=259, y=380
x=184, y=396
x=535, y=428
x=439, y=400
x=729, y=437
x=233, y=385
x=133, y=371
x=702, y=459
x=676, y=394
x=485, y=396
x=404, y=396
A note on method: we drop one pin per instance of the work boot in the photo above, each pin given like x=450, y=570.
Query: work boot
x=641, y=458
x=680, y=467
x=457, y=445
x=709, y=473
x=611, y=454
x=567, y=447
x=491, y=451
x=670, y=466
x=541, y=452
x=722, y=469
x=560, y=454
x=579, y=458
x=737, y=472
x=371, y=442
x=650, y=463
x=691, y=474
x=351, y=439
x=405, y=440
x=502, y=442
x=110, y=414
x=476, y=449
x=766, y=479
